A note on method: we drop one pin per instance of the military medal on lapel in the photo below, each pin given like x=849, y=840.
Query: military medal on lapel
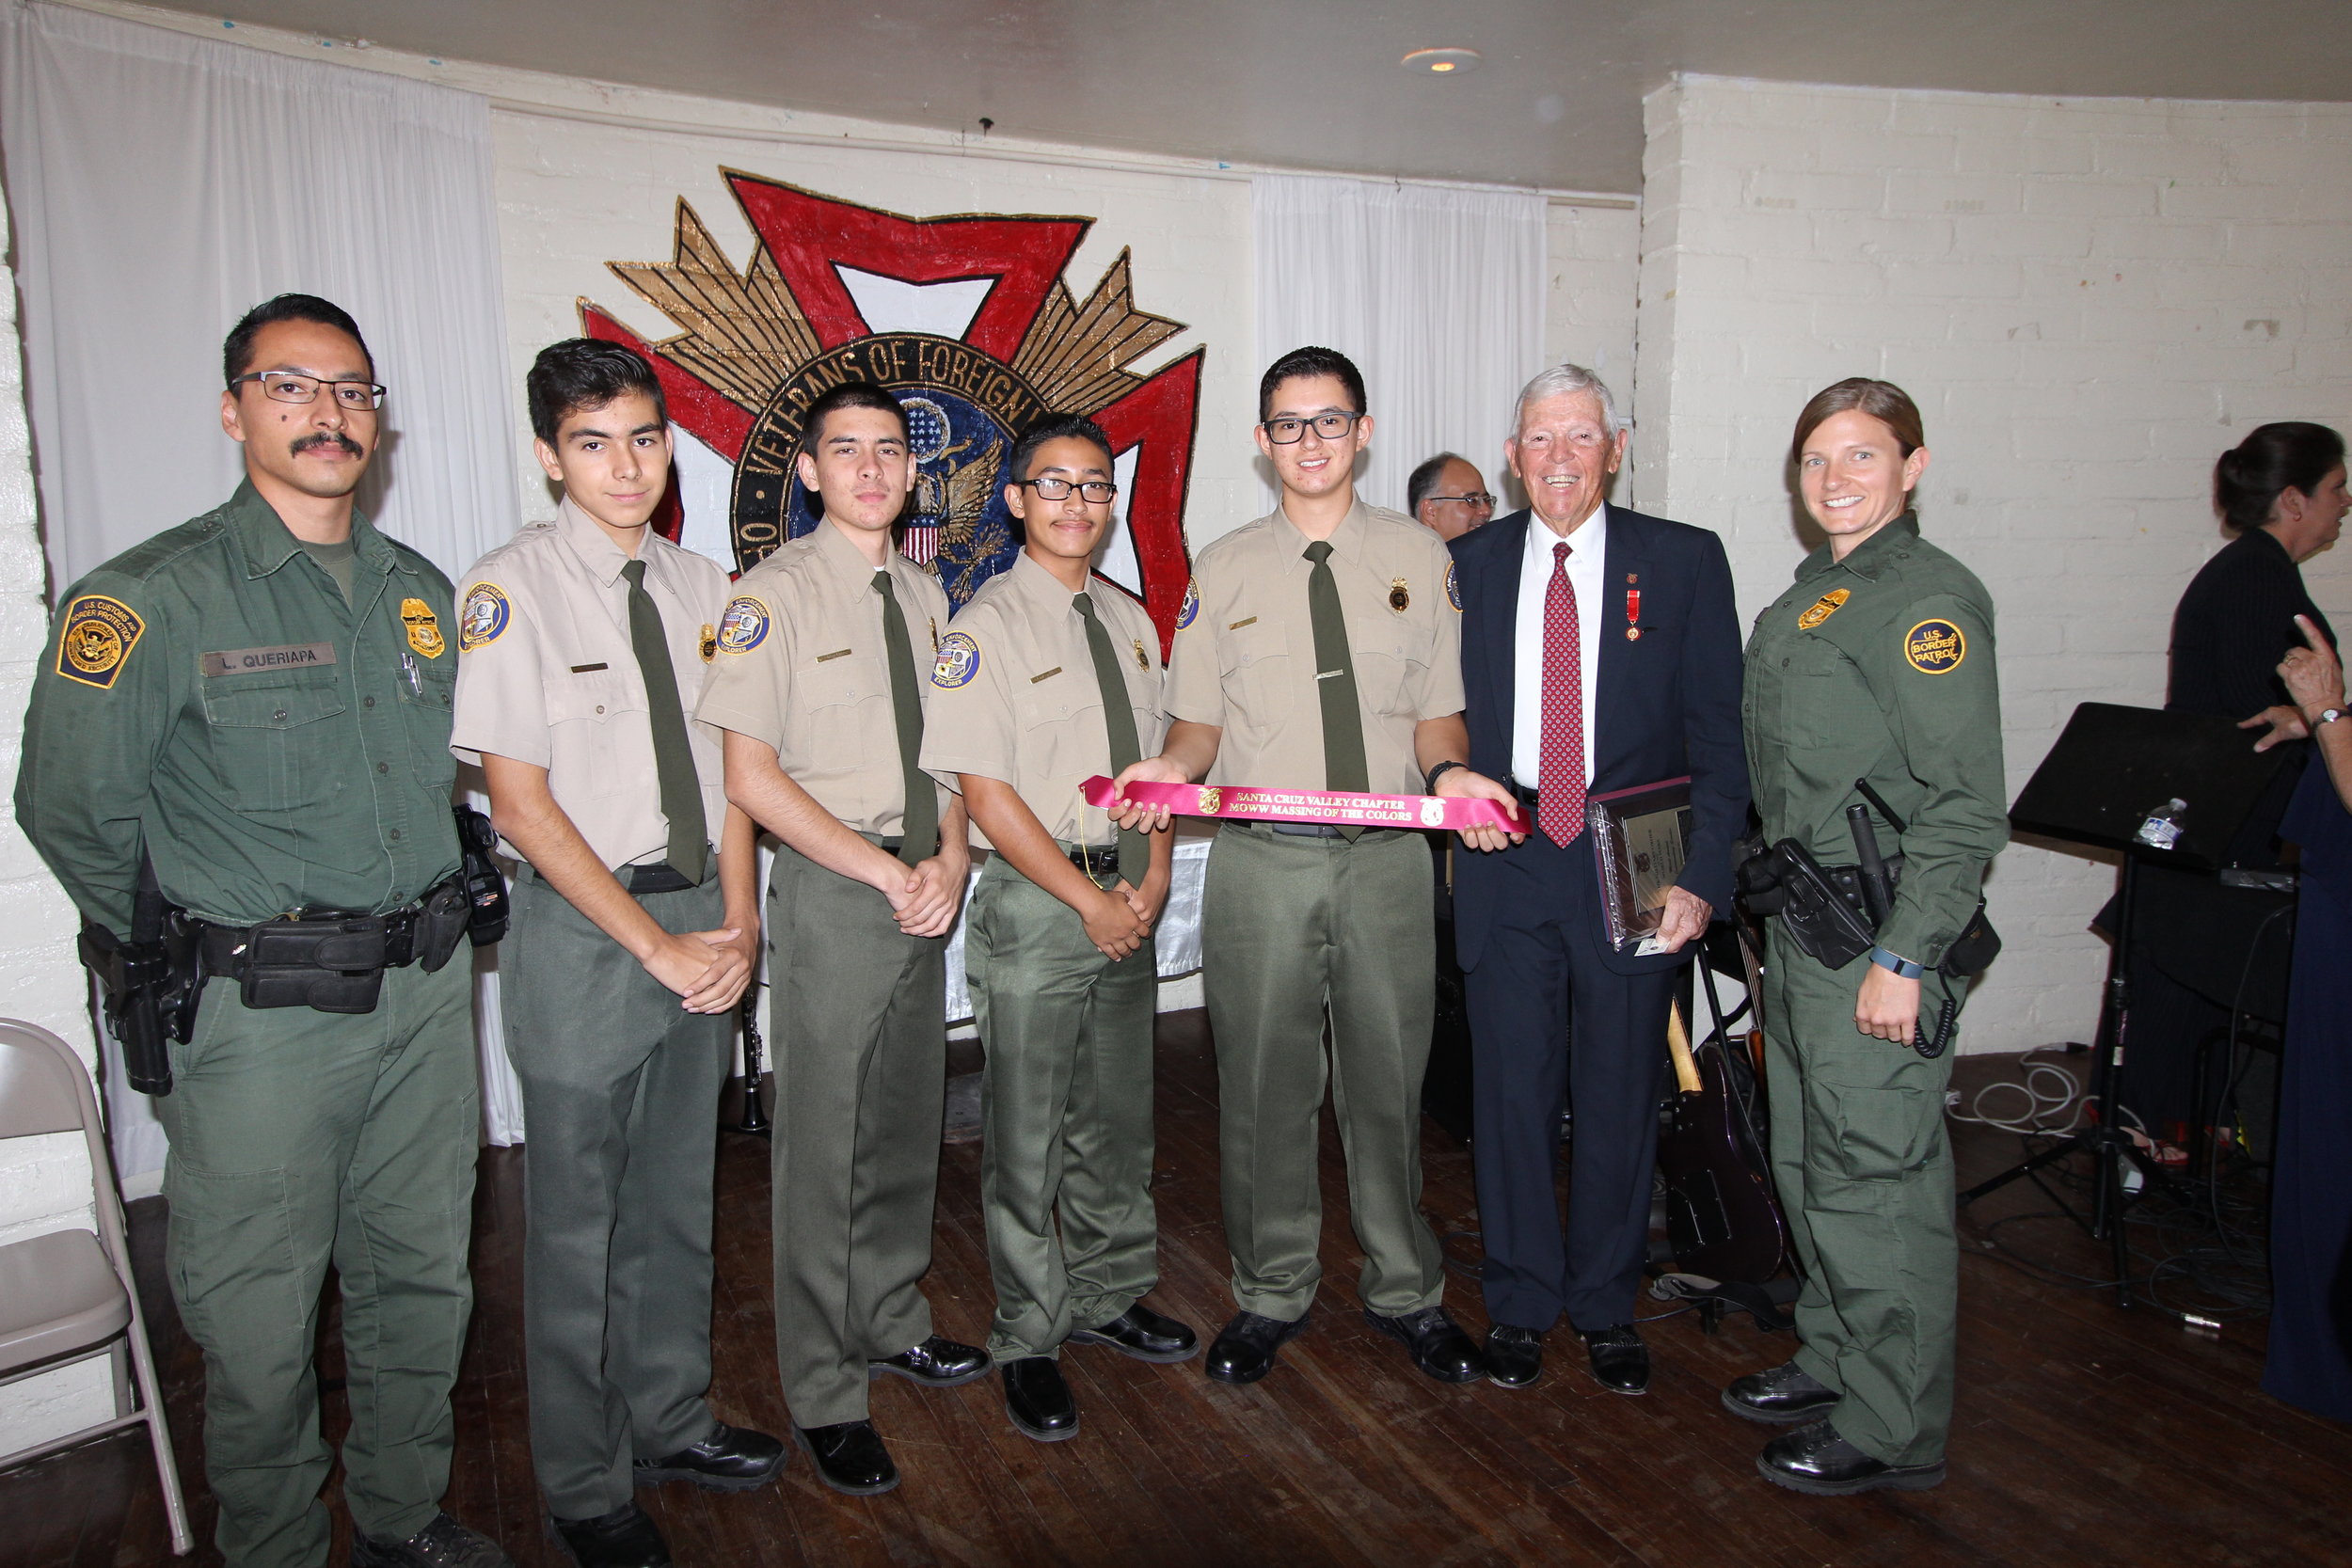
x=1399, y=598
x=1633, y=608
x=1141, y=662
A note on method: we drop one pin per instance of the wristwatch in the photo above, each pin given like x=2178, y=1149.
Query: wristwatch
x=1897, y=965
x=1429, y=780
x=2328, y=716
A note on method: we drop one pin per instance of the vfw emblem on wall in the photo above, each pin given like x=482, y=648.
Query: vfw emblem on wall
x=968, y=321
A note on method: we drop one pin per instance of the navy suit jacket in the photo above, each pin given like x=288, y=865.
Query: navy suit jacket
x=1665, y=705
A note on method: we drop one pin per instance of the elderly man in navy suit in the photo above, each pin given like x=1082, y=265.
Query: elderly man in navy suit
x=1601, y=651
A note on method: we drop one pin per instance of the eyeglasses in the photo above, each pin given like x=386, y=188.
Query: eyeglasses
x=1476, y=497
x=1095, y=490
x=287, y=387
x=1330, y=427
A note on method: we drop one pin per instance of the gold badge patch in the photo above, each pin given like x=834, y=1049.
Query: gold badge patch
x=425, y=631
x=1142, y=662
x=1823, y=608
x=1399, y=599
x=98, y=635
x=709, y=642
x=1935, y=648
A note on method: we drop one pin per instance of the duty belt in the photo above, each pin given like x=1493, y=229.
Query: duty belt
x=333, y=960
x=1100, y=860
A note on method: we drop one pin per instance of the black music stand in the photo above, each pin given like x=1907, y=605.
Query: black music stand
x=2112, y=769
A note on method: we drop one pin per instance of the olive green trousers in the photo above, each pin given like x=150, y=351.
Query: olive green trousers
x=1293, y=929
x=1065, y=1111
x=621, y=1114
x=1864, y=1174
x=302, y=1139
x=858, y=1024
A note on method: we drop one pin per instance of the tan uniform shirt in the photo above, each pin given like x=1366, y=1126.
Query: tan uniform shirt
x=801, y=668
x=1244, y=652
x=1021, y=701
x=546, y=674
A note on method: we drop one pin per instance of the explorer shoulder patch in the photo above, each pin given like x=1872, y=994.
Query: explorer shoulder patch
x=958, y=661
x=482, y=618
x=744, y=626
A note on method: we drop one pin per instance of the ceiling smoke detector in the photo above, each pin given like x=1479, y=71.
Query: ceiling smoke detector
x=1441, y=62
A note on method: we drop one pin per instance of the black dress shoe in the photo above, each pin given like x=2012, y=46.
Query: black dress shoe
x=849, y=1457
x=625, y=1538
x=729, y=1460
x=1619, y=1358
x=442, y=1544
x=1039, y=1400
x=1244, y=1351
x=1782, y=1395
x=1815, y=1460
x=1439, y=1345
x=1143, y=1334
x=936, y=1363
x=1514, y=1357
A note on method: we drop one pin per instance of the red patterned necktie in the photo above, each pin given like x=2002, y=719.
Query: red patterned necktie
x=1560, y=791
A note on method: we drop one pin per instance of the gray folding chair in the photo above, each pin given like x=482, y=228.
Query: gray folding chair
x=69, y=1296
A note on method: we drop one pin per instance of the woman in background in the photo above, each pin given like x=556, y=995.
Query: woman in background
x=2310, y=1205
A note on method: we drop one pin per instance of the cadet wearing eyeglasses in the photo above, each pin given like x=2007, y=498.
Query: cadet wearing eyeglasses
x=1047, y=677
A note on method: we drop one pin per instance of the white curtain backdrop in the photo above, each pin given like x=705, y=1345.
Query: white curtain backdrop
x=161, y=185
x=1436, y=295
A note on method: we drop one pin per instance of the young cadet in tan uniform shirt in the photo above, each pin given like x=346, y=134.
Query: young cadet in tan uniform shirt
x=817, y=685
x=584, y=642
x=1046, y=678
x=1317, y=649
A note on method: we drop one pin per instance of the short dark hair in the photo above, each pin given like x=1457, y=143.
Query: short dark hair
x=1882, y=400
x=586, y=372
x=2291, y=455
x=849, y=394
x=1422, y=481
x=1310, y=361
x=236, y=350
x=1053, y=427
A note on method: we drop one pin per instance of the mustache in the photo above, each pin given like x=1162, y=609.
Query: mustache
x=328, y=439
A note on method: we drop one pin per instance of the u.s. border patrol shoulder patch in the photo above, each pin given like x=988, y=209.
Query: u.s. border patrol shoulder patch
x=1191, y=607
x=1452, y=589
x=744, y=626
x=958, y=661
x=1935, y=648
x=484, y=617
x=98, y=635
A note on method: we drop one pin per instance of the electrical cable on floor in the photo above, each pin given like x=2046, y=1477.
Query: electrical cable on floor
x=2050, y=1090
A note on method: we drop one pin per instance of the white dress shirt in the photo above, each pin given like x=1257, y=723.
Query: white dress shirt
x=1588, y=548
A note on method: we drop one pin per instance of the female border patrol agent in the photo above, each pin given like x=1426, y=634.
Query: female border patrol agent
x=1876, y=665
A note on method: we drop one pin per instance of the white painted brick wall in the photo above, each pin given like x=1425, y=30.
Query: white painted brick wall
x=2090, y=298
x=44, y=1180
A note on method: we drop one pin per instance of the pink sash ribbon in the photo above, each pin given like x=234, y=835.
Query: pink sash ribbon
x=1341, y=808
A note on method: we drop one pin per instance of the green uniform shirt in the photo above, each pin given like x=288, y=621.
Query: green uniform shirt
x=211, y=692
x=1881, y=667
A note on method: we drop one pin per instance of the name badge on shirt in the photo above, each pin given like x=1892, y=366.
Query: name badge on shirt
x=291, y=655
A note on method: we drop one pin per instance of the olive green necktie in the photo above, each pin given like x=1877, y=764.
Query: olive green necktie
x=673, y=757
x=921, y=829
x=1335, y=681
x=1119, y=717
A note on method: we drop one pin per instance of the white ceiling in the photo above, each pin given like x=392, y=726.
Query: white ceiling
x=1314, y=84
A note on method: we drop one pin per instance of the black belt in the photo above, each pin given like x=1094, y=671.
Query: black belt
x=1094, y=860
x=355, y=941
x=1525, y=795
x=333, y=960
x=661, y=877
x=1321, y=829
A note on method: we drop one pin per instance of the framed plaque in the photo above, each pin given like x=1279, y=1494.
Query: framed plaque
x=1641, y=838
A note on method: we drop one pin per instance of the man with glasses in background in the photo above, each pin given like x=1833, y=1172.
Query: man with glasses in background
x=250, y=714
x=1447, y=496
x=1317, y=649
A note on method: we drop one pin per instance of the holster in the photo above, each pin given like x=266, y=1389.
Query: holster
x=485, y=884
x=150, y=985
x=1823, y=910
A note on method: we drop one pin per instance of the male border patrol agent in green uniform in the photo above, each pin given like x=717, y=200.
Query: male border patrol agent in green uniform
x=819, y=682
x=1876, y=665
x=259, y=701
x=1043, y=681
x=1319, y=648
x=583, y=645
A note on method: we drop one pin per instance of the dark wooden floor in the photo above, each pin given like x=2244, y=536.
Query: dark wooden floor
x=2085, y=1436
